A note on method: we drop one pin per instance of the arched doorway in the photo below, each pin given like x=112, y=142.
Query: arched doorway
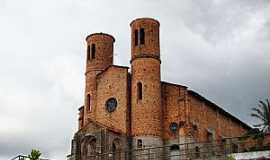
x=174, y=152
x=88, y=148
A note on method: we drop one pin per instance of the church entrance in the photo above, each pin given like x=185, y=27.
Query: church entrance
x=174, y=152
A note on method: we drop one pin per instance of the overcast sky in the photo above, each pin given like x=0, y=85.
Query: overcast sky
x=218, y=48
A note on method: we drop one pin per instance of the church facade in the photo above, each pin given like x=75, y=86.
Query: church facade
x=133, y=109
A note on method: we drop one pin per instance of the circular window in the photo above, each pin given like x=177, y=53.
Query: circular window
x=174, y=127
x=111, y=104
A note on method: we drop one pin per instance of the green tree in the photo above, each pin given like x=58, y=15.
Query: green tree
x=34, y=155
x=230, y=158
x=262, y=112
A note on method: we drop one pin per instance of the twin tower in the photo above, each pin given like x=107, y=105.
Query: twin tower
x=143, y=108
x=134, y=109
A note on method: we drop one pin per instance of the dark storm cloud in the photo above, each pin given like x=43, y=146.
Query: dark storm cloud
x=229, y=64
x=217, y=48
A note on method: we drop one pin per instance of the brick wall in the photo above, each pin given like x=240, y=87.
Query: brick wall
x=174, y=107
x=207, y=117
x=113, y=83
x=146, y=113
x=102, y=60
x=145, y=69
x=151, y=45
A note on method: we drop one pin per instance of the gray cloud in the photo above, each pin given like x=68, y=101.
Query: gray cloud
x=218, y=48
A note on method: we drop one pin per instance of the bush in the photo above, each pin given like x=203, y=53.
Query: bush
x=34, y=155
x=230, y=158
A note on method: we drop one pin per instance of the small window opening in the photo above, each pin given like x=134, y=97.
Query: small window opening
x=139, y=90
x=223, y=144
x=88, y=52
x=89, y=102
x=139, y=143
x=197, y=152
x=142, y=36
x=223, y=140
x=210, y=137
x=136, y=37
x=93, y=51
x=234, y=148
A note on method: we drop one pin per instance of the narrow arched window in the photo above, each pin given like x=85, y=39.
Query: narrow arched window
x=89, y=102
x=142, y=36
x=116, y=149
x=197, y=152
x=93, y=51
x=88, y=52
x=136, y=37
x=139, y=143
x=139, y=91
x=234, y=148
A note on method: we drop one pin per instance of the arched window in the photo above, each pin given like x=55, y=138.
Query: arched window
x=210, y=137
x=136, y=37
x=139, y=143
x=142, y=36
x=88, y=102
x=234, y=148
x=88, y=52
x=116, y=149
x=139, y=91
x=92, y=146
x=93, y=51
x=88, y=147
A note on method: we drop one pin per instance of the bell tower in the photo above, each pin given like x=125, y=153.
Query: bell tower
x=146, y=109
x=99, y=56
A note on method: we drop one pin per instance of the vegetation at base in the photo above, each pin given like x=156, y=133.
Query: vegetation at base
x=230, y=158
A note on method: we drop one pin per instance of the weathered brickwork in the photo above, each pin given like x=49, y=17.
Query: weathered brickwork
x=207, y=117
x=146, y=113
x=102, y=59
x=151, y=45
x=174, y=107
x=134, y=109
x=103, y=51
x=113, y=83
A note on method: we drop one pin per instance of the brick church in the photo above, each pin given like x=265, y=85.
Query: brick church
x=134, y=110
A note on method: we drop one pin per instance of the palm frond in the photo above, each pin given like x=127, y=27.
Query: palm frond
x=262, y=112
x=266, y=110
x=257, y=116
x=259, y=113
x=268, y=103
x=266, y=107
